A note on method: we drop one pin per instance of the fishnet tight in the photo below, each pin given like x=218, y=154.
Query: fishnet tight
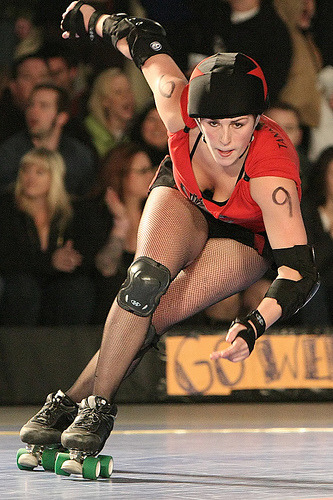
x=173, y=232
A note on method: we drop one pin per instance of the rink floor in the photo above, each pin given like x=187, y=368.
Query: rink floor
x=192, y=451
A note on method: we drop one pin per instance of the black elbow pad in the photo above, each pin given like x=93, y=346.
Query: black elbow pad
x=293, y=295
x=145, y=37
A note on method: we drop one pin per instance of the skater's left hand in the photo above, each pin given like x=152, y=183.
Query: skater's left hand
x=86, y=11
x=238, y=351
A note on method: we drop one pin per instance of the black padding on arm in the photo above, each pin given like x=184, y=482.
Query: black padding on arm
x=95, y=16
x=145, y=37
x=258, y=321
x=116, y=27
x=293, y=295
x=248, y=334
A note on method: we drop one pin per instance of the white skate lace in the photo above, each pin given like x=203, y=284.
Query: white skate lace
x=88, y=417
x=49, y=410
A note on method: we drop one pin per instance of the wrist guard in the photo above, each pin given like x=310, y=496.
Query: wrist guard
x=73, y=21
x=293, y=295
x=145, y=38
x=95, y=16
x=249, y=334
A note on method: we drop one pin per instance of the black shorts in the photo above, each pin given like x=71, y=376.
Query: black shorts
x=216, y=228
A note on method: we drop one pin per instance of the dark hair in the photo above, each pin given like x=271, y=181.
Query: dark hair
x=58, y=49
x=20, y=60
x=115, y=167
x=285, y=107
x=137, y=122
x=317, y=183
x=63, y=101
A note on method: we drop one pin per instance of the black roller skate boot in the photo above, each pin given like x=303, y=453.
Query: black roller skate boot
x=42, y=432
x=85, y=438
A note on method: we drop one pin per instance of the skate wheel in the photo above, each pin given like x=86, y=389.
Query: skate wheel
x=48, y=458
x=60, y=459
x=25, y=460
x=91, y=468
x=106, y=465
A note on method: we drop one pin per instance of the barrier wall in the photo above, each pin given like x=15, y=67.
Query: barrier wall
x=37, y=361
x=286, y=363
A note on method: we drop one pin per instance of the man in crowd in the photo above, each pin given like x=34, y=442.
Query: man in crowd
x=46, y=115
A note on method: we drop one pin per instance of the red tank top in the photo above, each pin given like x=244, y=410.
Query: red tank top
x=271, y=153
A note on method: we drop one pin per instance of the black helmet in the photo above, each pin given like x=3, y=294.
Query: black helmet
x=226, y=85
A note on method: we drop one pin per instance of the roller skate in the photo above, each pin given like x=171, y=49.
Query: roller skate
x=42, y=433
x=85, y=438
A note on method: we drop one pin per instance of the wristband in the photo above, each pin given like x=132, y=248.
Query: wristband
x=95, y=16
x=249, y=334
x=258, y=321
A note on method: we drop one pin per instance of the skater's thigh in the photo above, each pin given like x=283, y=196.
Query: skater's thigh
x=172, y=231
x=223, y=268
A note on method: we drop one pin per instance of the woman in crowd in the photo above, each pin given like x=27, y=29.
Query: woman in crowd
x=44, y=277
x=111, y=108
x=149, y=130
x=317, y=208
x=111, y=215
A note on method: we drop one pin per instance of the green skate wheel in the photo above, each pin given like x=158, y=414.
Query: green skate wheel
x=91, y=468
x=22, y=451
x=106, y=465
x=48, y=458
x=60, y=459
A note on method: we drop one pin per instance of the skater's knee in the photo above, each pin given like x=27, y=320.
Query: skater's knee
x=147, y=280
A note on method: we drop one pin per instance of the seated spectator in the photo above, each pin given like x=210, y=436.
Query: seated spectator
x=288, y=118
x=46, y=115
x=64, y=72
x=45, y=281
x=26, y=72
x=317, y=208
x=29, y=36
x=302, y=89
x=110, y=110
x=111, y=216
x=148, y=130
x=255, y=28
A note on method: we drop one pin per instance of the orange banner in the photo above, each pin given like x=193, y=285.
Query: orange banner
x=277, y=362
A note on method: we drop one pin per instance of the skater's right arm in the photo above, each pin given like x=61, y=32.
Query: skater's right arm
x=163, y=75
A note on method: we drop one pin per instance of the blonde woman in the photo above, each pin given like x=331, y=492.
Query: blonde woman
x=111, y=108
x=42, y=271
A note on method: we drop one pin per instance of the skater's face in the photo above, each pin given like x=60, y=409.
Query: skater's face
x=35, y=180
x=228, y=138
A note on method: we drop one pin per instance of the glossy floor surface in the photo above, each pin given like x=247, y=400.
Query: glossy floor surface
x=202, y=451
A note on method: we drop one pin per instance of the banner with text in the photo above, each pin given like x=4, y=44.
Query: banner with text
x=277, y=362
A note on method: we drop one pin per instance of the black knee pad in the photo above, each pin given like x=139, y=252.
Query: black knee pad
x=146, y=282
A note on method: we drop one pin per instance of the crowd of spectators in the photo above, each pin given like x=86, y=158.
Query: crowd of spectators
x=80, y=142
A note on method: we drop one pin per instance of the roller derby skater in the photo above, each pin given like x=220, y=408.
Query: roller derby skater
x=222, y=209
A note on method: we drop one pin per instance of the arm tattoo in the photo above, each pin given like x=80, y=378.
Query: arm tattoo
x=166, y=89
x=284, y=200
